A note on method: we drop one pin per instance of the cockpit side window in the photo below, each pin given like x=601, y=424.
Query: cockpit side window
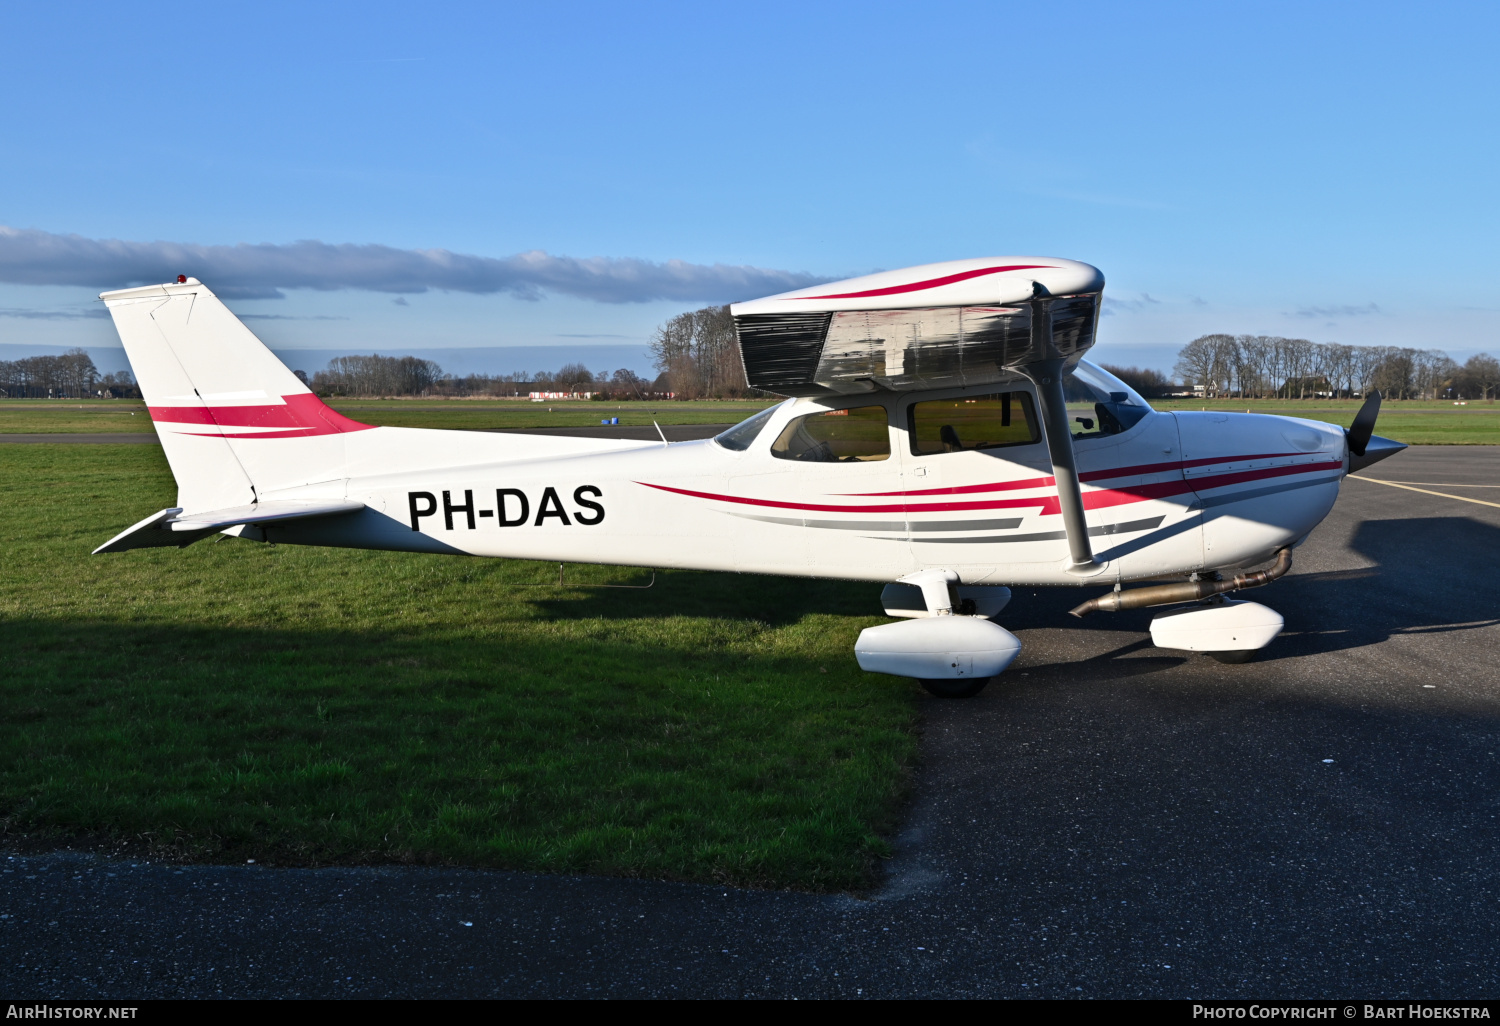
x=859, y=435
x=973, y=422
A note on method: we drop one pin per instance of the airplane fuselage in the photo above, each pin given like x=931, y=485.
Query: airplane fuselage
x=1172, y=493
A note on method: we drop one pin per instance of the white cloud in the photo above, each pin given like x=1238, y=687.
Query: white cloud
x=50, y=315
x=1368, y=310
x=262, y=270
x=1116, y=304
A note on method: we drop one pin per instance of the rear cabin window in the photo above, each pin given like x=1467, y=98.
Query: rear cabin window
x=838, y=436
x=973, y=422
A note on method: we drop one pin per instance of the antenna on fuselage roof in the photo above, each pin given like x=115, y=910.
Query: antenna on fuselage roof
x=1047, y=374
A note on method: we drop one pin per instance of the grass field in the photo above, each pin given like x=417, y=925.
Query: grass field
x=43, y=416
x=234, y=701
x=1416, y=423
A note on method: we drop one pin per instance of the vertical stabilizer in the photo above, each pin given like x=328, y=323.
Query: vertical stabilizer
x=234, y=422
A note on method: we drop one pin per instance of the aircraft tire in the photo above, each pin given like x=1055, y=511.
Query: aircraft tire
x=1243, y=655
x=962, y=687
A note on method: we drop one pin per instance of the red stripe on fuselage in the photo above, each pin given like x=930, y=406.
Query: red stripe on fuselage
x=922, y=286
x=900, y=507
x=1047, y=504
x=297, y=416
x=1092, y=475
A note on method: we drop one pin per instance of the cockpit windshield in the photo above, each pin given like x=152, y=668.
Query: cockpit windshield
x=740, y=437
x=1099, y=403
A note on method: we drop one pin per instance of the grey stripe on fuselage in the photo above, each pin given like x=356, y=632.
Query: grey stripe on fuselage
x=889, y=525
x=1221, y=500
x=1094, y=532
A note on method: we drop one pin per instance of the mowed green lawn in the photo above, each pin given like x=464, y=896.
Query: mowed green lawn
x=238, y=701
x=45, y=416
x=503, y=415
x=1413, y=422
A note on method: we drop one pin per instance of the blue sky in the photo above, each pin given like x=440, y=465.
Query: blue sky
x=1317, y=170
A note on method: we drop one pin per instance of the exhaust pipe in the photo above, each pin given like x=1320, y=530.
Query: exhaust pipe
x=1191, y=591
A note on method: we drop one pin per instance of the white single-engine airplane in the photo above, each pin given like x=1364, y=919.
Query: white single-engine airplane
x=927, y=443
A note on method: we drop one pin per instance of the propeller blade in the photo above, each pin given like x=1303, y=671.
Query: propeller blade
x=1358, y=433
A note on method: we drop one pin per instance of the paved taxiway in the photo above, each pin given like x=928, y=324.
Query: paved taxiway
x=1107, y=819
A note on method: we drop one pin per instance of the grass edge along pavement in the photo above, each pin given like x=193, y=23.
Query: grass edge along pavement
x=236, y=701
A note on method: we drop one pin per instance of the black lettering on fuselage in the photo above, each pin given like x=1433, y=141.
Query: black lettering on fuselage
x=512, y=508
x=520, y=496
x=467, y=509
x=418, y=514
x=598, y=516
x=551, y=506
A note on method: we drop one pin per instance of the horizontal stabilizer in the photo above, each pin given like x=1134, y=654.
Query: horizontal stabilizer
x=171, y=527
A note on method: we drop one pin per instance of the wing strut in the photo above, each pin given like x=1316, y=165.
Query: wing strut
x=1047, y=374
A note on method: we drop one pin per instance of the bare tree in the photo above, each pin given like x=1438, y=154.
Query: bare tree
x=1393, y=373
x=672, y=350
x=699, y=354
x=1339, y=368
x=1198, y=362
x=573, y=377
x=1367, y=360
x=1432, y=372
x=1481, y=377
x=627, y=383
x=1226, y=363
x=1251, y=360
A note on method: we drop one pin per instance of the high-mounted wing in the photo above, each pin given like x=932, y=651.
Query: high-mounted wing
x=964, y=322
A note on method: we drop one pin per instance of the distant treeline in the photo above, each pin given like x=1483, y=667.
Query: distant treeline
x=409, y=375
x=74, y=376
x=697, y=356
x=69, y=376
x=1149, y=383
x=1261, y=366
